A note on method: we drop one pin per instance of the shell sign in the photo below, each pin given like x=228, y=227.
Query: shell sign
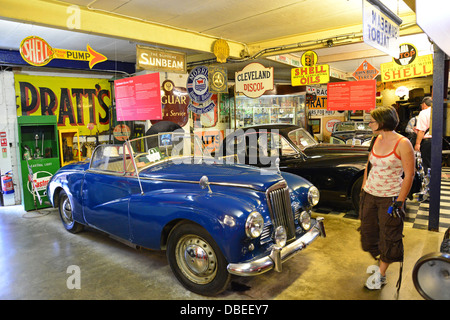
x=37, y=52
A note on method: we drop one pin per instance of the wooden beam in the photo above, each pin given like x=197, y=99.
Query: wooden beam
x=75, y=18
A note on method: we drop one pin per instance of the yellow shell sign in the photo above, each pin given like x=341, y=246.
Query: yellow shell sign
x=309, y=59
x=317, y=74
x=37, y=52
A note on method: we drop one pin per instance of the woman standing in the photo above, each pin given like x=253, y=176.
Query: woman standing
x=384, y=192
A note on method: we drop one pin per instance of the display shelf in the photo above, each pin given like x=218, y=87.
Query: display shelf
x=69, y=146
x=270, y=109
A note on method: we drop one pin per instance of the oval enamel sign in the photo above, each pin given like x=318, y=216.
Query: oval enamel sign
x=36, y=51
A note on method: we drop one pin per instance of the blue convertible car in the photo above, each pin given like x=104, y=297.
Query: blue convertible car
x=213, y=219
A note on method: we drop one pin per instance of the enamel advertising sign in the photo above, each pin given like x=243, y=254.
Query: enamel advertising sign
x=408, y=65
x=160, y=60
x=37, y=52
x=81, y=103
x=197, y=87
x=254, y=80
x=365, y=72
x=304, y=76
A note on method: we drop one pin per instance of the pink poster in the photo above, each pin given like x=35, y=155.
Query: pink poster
x=352, y=95
x=138, y=98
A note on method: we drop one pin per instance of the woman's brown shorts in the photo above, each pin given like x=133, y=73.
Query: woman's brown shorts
x=381, y=233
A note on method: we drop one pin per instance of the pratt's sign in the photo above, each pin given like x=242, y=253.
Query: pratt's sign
x=381, y=28
x=408, y=65
x=81, y=103
x=160, y=60
x=254, y=80
x=37, y=52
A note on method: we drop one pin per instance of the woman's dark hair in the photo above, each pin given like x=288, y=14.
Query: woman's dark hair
x=386, y=117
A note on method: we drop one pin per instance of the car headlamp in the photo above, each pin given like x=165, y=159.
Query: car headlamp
x=304, y=219
x=280, y=237
x=254, y=225
x=313, y=196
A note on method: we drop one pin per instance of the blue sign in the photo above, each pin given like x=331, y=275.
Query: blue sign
x=197, y=85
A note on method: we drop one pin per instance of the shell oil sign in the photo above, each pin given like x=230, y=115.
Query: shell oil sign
x=37, y=52
x=311, y=73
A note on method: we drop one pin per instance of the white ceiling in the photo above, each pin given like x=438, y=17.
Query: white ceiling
x=248, y=22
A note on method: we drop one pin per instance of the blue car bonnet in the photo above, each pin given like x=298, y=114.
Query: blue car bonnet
x=256, y=178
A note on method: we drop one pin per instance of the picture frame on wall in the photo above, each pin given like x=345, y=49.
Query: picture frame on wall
x=315, y=125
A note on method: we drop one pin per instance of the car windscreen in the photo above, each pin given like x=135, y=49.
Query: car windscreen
x=167, y=146
x=301, y=138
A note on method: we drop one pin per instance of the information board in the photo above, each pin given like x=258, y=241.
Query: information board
x=352, y=95
x=138, y=98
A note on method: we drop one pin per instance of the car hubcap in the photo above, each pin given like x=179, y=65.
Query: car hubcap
x=196, y=259
x=66, y=211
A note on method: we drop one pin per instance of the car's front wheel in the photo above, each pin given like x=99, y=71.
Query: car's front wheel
x=65, y=212
x=196, y=260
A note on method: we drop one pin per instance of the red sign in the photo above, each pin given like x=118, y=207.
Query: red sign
x=138, y=98
x=352, y=95
x=365, y=72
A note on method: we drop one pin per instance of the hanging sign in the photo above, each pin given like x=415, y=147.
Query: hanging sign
x=310, y=75
x=352, y=95
x=365, y=72
x=174, y=104
x=37, y=52
x=381, y=27
x=160, y=60
x=254, y=80
x=407, y=55
x=138, y=98
x=197, y=86
x=408, y=65
x=309, y=59
x=218, y=80
x=221, y=50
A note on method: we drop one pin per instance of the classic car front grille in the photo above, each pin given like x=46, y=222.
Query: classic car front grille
x=280, y=209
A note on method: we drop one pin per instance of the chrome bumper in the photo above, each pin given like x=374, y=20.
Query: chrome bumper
x=278, y=255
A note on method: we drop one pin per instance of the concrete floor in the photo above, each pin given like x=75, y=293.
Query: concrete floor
x=36, y=252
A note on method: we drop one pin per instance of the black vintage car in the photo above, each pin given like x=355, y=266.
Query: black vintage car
x=351, y=132
x=336, y=170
